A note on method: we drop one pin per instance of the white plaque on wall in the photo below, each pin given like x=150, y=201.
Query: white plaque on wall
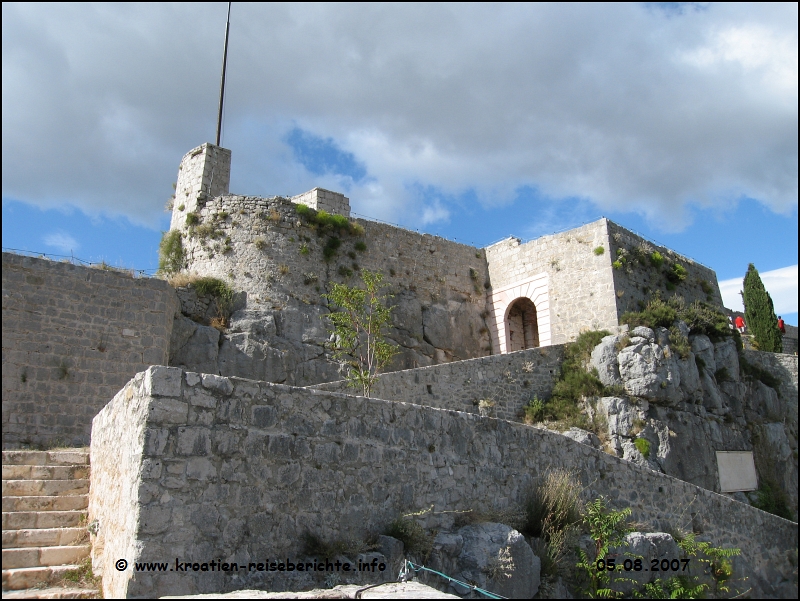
x=737, y=471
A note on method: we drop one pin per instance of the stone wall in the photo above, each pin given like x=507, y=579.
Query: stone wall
x=235, y=470
x=276, y=261
x=204, y=172
x=324, y=200
x=72, y=336
x=580, y=289
x=637, y=277
x=508, y=382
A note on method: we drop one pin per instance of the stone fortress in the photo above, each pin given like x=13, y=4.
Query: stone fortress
x=249, y=437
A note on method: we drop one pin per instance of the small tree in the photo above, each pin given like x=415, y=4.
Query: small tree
x=759, y=313
x=358, y=329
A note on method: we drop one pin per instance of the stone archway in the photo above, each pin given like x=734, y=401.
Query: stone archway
x=533, y=289
x=522, y=325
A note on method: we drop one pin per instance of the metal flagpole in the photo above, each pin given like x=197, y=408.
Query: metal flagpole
x=224, y=65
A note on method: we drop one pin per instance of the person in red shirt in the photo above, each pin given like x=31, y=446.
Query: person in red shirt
x=781, y=326
x=740, y=324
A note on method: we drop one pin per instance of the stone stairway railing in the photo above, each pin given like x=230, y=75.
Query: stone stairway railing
x=45, y=497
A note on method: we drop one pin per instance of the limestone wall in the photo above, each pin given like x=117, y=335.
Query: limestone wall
x=508, y=382
x=580, y=287
x=204, y=172
x=72, y=336
x=264, y=250
x=236, y=470
x=637, y=277
x=324, y=200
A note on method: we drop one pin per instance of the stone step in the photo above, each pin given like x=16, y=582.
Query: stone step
x=37, y=488
x=38, y=503
x=21, y=578
x=54, y=593
x=65, y=457
x=18, y=520
x=44, y=537
x=45, y=472
x=33, y=557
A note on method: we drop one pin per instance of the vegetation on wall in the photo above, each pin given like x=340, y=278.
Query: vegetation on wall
x=170, y=253
x=701, y=318
x=759, y=313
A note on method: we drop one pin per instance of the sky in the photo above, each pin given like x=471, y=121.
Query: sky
x=473, y=122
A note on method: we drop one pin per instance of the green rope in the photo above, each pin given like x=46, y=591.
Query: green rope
x=408, y=566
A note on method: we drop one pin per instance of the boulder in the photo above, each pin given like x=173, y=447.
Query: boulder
x=704, y=350
x=200, y=351
x=648, y=372
x=727, y=357
x=604, y=360
x=646, y=546
x=493, y=556
x=583, y=437
x=643, y=332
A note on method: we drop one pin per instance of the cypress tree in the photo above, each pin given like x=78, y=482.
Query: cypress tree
x=759, y=313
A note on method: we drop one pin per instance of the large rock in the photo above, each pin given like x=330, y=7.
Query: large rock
x=493, y=556
x=704, y=350
x=646, y=546
x=604, y=360
x=648, y=372
x=583, y=437
x=194, y=347
x=691, y=386
x=727, y=357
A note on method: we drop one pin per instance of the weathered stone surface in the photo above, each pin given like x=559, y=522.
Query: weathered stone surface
x=315, y=471
x=647, y=546
x=704, y=350
x=583, y=437
x=493, y=556
x=604, y=360
x=647, y=372
x=200, y=350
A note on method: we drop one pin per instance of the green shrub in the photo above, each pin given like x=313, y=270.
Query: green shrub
x=706, y=287
x=722, y=375
x=330, y=248
x=304, y=250
x=304, y=210
x=413, y=536
x=599, y=250
x=260, y=243
x=360, y=246
x=643, y=446
x=773, y=500
x=617, y=264
x=679, y=343
x=656, y=314
x=344, y=271
x=656, y=259
x=222, y=293
x=676, y=274
x=533, y=412
x=170, y=252
x=192, y=219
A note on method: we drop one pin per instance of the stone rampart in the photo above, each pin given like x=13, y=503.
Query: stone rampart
x=234, y=470
x=263, y=248
x=506, y=383
x=72, y=336
x=639, y=274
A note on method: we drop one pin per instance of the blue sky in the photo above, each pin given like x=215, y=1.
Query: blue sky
x=473, y=122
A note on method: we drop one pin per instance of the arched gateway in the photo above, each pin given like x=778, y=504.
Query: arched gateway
x=522, y=326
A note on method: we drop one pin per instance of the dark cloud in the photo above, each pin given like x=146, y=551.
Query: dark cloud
x=630, y=106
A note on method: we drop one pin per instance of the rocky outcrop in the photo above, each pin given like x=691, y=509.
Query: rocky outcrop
x=492, y=556
x=678, y=411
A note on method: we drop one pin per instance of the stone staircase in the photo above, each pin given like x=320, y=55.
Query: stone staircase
x=45, y=541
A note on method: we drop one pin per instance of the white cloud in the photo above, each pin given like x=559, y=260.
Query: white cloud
x=579, y=101
x=62, y=241
x=780, y=283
